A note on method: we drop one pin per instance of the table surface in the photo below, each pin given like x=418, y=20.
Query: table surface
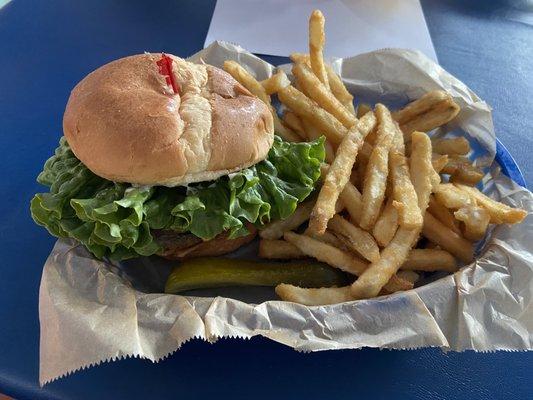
x=48, y=46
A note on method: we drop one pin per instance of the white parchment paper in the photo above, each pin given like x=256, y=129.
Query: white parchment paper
x=92, y=311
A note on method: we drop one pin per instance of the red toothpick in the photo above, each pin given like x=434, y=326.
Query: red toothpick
x=165, y=69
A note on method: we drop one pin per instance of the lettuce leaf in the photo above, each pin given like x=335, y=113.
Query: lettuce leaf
x=115, y=220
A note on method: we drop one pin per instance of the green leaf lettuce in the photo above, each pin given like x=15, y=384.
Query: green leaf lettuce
x=115, y=219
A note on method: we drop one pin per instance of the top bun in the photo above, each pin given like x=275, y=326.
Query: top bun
x=125, y=122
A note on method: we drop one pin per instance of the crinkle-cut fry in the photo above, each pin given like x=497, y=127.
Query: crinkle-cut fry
x=278, y=249
x=451, y=196
x=499, y=213
x=335, y=180
x=423, y=175
x=386, y=225
x=447, y=239
x=370, y=283
x=326, y=253
x=405, y=199
x=317, y=39
x=377, y=169
x=451, y=146
x=318, y=92
x=430, y=260
x=476, y=221
x=439, y=161
x=275, y=83
x=276, y=229
x=306, y=108
x=443, y=214
x=313, y=297
x=293, y=122
x=351, y=198
x=246, y=79
x=430, y=111
x=359, y=240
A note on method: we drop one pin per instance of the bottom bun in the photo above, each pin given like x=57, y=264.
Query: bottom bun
x=179, y=246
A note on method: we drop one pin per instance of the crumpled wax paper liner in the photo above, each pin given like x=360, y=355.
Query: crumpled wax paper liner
x=92, y=311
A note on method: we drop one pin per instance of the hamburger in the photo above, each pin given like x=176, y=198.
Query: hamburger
x=163, y=156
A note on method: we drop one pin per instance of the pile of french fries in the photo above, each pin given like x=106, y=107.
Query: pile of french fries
x=386, y=184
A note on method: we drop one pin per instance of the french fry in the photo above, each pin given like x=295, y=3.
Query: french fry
x=317, y=91
x=336, y=85
x=326, y=253
x=405, y=199
x=499, y=213
x=439, y=161
x=423, y=176
x=276, y=229
x=377, y=169
x=339, y=90
x=352, y=200
x=337, y=258
x=447, y=239
x=317, y=39
x=336, y=179
x=443, y=214
x=453, y=146
x=410, y=276
x=451, y=196
x=306, y=108
x=359, y=240
x=362, y=109
x=278, y=249
x=275, y=83
x=430, y=111
x=462, y=171
x=476, y=220
x=313, y=297
x=396, y=284
x=293, y=122
x=300, y=58
x=469, y=176
x=328, y=238
x=246, y=79
x=430, y=260
x=370, y=283
x=398, y=144
x=312, y=133
x=249, y=82
x=386, y=225
x=283, y=131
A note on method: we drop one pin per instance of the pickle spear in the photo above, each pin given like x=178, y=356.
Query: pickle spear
x=210, y=272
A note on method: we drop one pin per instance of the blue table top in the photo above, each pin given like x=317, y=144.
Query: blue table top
x=48, y=46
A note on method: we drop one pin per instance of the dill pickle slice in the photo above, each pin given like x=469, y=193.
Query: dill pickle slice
x=210, y=272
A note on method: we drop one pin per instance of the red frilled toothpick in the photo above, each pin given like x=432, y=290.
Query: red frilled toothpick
x=165, y=69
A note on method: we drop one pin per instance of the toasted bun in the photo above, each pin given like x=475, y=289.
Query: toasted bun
x=126, y=124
